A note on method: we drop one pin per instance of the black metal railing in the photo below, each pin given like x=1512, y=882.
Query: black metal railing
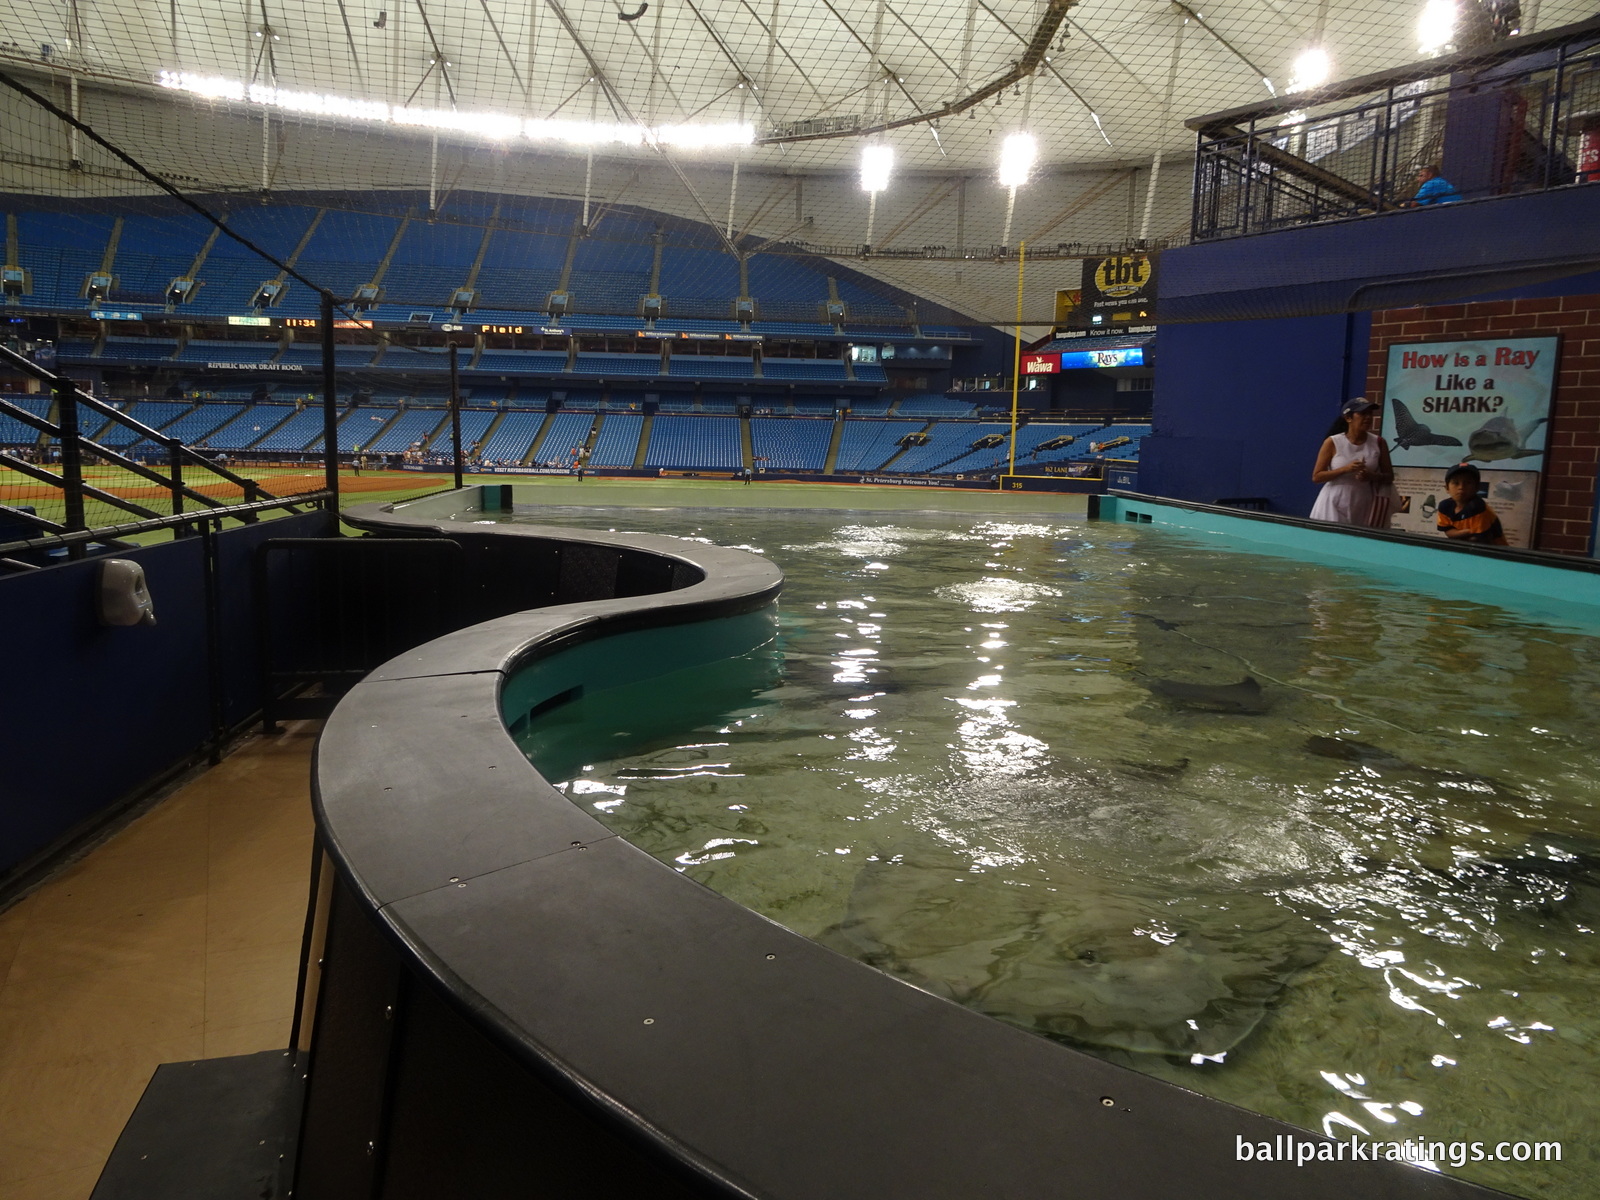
x=1523, y=116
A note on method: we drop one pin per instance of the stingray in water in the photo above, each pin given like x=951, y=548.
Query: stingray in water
x=1380, y=760
x=1499, y=438
x=1080, y=959
x=1244, y=697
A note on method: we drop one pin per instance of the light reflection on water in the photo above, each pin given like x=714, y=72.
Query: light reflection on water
x=1275, y=832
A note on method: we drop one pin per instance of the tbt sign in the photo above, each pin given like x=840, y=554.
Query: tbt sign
x=1119, y=290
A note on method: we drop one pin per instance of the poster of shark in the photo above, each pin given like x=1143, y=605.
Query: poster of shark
x=1486, y=402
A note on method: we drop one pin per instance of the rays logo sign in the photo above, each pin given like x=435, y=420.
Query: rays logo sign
x=1117, y=291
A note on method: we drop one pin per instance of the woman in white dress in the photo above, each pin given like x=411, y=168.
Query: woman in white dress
x=1354, y=471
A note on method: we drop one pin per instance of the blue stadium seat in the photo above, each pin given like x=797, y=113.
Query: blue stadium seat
x=617, y=443
x=789, y=444
x=567, y=429
x=867, y=445
x=695, y=443
x=512, y=437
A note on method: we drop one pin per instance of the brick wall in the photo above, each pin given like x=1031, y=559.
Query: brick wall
x=1566, y=510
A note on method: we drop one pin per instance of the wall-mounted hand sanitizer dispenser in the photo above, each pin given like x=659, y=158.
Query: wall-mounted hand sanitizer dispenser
x=124, y=595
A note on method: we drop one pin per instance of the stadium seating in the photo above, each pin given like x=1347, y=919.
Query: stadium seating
x=511, y=438
x=522, y=362
x=295, y=433
x=154, y=413
x=618, y=364
x=867, y=445
x=707, y=366
x=475, y=423
x=946, y=440
x=18, y=433
x=694, y=443
x=141, y=349
x=790, y=445
x=249, y=427
x=567, y=429
x=931, y=407
x=201, y=351
x=802, y=368
x=617, y=443
x=413, y=426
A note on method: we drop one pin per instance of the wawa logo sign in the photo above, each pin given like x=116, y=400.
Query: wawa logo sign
x=1041, y=364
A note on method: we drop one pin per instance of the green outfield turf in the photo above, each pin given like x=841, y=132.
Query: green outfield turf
x=392, y=486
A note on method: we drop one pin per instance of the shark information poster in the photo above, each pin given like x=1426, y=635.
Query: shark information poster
x=1484, y=402
x=1513, y=495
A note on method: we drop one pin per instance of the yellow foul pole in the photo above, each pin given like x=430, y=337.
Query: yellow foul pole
x=1016, y=364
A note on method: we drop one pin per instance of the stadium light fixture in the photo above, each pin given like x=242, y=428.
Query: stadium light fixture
x=1436, y=26
x=495, y=126
x=1312, y=68
x=1018, y=153
x=877, y=164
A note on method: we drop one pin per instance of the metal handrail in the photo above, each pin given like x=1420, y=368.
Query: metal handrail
x=112, y=532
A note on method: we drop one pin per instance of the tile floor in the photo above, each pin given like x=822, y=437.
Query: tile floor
x=177, y=939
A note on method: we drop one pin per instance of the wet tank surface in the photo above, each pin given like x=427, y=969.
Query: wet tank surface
x=1277, y=832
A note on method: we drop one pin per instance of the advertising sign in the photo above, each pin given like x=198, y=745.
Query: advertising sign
x=1127, y=357
x=1067, y=302
x=1117, y=290
x=1486, y=402
x=1513, y=495
x=1041, y=364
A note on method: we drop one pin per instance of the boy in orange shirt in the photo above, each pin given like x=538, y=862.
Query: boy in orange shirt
x=1464, y=515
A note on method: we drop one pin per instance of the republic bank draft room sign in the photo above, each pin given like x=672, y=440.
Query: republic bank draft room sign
x=1484, y=402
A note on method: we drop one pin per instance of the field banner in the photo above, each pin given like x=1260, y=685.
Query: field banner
x=1514, y=496
x=1486, y=402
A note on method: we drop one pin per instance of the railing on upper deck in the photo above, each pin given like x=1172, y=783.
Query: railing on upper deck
x=1523, y=116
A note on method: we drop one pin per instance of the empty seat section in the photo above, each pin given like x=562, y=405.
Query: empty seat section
x=699, y=274
x=567, y=429
x=610, y=276
x=816, y=405
x=788, y=444
x=227, y=353
x=870, y=408
x=870, y=373
x=520, y=362
x=867, y=445
x=196, y=426
x=138, y=349
x=248, y=427
x=231, y=274
x=695, y=443
x=59, y=250
x=295, y=433
x=345, y=250
x=475, y=423
x=413, y=427
x=309, y=354
x=802, y=368
x=778, y=277
x=931, y=407
x=682, y=404
x=154, y=413
x=19, y=433
x=712, y=404
x=617, y=443
x=360, y=428
x=431, y=262
x=945, y=441
x=618, y=364
x=512, y=438
x=521, y=268
x=153, y=251
x=705, y=366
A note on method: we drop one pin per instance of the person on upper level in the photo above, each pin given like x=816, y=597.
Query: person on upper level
x=1433, y=188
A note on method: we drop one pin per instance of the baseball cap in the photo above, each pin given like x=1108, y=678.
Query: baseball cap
x=1357, y=404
